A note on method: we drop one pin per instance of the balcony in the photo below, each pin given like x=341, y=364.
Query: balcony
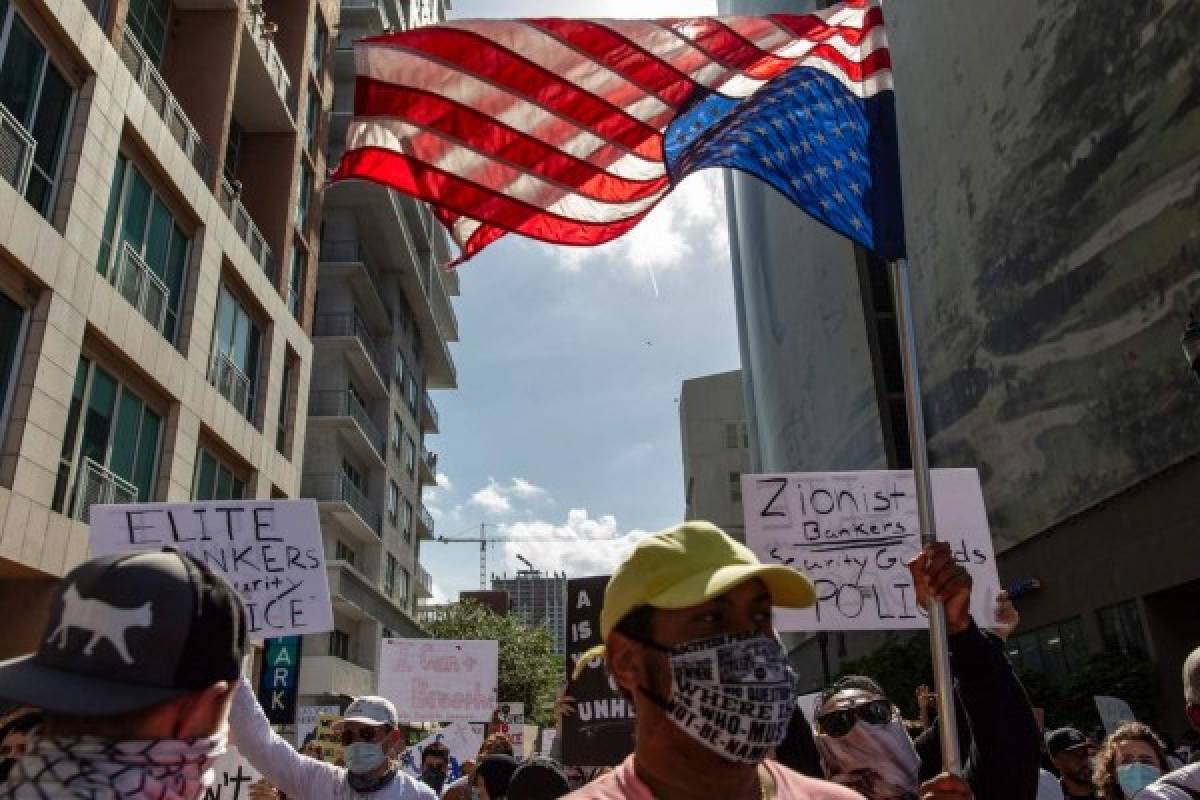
x=422, y=583
x=351, y=329
x=233, y=384
x=357, y=597
x=424, y=522
x=144, y=290
x=345, y=261
x=97, y=484
x=341, y=406
x=428, y=465
x=364, y=14
x=330, y=675
x=160, y=97
x=429, y=414
x=230, y=201
x=17, y=147
x=264, y=98
x=340, y=497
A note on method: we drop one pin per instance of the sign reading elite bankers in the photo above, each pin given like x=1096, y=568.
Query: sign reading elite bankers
x=852, y=533
x=600, y=732
x=269, y=550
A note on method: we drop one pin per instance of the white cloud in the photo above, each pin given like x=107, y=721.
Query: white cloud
x=525, y=489
x=443, y=482
x=579, y=546
x=439, y=595
x=491, y=498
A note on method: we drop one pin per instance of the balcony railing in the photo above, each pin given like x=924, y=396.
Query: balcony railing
x=144, y=290
x=264, y=42
x=17, y=146
x=351, y=325
x=247, y=231
x=429, y=459
x=342, y=403
x=424, y=581
x=426, y=519
x=429, y=411
x=98, y=484
x=342, y=250
x=159, y=95
x=233, y=384
x=337, y=488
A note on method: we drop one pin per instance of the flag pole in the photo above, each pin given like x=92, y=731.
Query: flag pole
x=939, y=644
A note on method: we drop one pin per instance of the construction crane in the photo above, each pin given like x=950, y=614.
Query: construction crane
x=483, y=540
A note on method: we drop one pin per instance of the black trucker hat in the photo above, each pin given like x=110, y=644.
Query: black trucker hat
x=130, y=631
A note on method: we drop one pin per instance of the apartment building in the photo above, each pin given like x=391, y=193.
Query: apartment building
x=382, y=322
x=159, y=222
x=539, y=599
x=716, y=450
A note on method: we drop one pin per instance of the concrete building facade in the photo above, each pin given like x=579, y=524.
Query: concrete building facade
x=1051, y=166
x=381, y=324
x=159, y=221
x=716, y=450
x=540, y=600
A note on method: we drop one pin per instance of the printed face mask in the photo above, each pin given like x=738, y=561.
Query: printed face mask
x=364, y=757
x=732, y=693
x=1135, y=777
x=878, y=761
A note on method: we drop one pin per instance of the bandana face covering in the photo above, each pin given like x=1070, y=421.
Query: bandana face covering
x=879, y=761
x=89, y=767
x=732, y=694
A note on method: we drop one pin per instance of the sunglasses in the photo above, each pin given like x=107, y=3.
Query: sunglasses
x=366, y=734
x=839, y=723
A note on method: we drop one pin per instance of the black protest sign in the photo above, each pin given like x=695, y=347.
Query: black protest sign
x=600, y=732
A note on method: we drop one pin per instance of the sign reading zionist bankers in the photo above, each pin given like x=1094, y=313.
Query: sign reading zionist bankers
x=852, y=533
x=269, y=550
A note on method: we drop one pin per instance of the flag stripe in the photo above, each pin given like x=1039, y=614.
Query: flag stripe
x=725, y=45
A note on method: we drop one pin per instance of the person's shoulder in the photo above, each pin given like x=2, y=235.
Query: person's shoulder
x=606, y=787
x=1171, y=785
x=791, y=785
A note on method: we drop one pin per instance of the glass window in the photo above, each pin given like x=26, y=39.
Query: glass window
x=401, y=369
x=302, y=201
x=413, y=393
x=389, y=576
x=285, y=400
x=410, y=455
x=735, y=488
x=344, y=552
x=402, y=587
x=1121, y=628
x=393, y=500
x=320, y=44
x=236, y=342
x=296, y=280
x=233, y=149
x=312, y=118
x=1055, y=650
x=406, y=523
x=352, y=474
x=12, y=326
x=339, y=644
x=397, y=431
x=214, y=480
x=147, y=21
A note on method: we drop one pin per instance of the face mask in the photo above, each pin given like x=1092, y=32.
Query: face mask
x=433, y=778
x=732, y=694
x=1135, y=777
x=364, y=757
x=879, y=761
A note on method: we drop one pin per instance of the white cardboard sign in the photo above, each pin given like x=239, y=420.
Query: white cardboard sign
x=269, y=550
x=440, y=680
x=232, y=777
x=511, y=719
x=1114, y=712
x=853, y=532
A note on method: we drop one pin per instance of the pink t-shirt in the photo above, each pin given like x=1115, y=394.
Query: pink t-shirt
x=624, y=784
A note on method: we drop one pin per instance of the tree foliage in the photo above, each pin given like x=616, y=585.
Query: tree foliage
x=530, y=673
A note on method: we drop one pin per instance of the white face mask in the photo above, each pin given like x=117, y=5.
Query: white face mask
x=879, y=761
x=364, y=757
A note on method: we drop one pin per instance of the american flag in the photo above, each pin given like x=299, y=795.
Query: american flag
x=570, y=131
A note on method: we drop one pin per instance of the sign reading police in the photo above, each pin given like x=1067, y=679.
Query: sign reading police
x=269, y=550
x=852, y=533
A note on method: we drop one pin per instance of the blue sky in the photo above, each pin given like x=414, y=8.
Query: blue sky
x=565, y=421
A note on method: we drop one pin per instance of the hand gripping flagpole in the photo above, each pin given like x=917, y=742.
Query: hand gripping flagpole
x=939, y=644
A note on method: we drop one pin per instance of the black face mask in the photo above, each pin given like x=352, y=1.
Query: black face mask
x=433, y=778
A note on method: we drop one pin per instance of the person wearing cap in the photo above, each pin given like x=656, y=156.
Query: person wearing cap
x=369, y=729
x=134, y=675
x=1071, y=753
x=688, y=639
x=539, y=778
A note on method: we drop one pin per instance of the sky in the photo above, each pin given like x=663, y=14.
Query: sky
x=565, y=423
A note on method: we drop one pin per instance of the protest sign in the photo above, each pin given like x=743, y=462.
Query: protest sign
x=446, y=680
x=269, y=550
x=461, y=738
x=529, y=737
x=328, y=738
x=280, y=678
x=853, y=532
x=547, y=745
x=600, y=732
x=509, y=719
x=1114, y=712
x=306, y=720
x=232, y=776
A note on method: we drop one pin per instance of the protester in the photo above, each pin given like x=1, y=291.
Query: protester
x=1130, y=759
x=134, y=675
x=492, y=776
x=686, y=599
x=1071, y=753
x=435, y=763
x=15, y=728
x=369, y=725
x=1183, y=783
x=862, y=737
x=539, y=778
x=496, y=744
x=798, y=750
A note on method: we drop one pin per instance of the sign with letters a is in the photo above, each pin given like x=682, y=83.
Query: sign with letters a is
x=269, y=550
x=852, y=533
x=280, y=679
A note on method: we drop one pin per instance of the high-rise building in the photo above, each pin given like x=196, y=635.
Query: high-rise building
x=159, y=218
x=712, y=430
x=1053, y=220
x=382, y=320
x=540, y=599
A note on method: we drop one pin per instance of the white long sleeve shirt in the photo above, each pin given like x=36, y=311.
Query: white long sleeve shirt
x=298, y=776
x=1182, y=784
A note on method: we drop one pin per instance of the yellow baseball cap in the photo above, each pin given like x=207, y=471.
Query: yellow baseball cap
x=687, y=565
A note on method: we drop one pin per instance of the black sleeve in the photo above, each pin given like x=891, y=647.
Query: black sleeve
x=798, y=751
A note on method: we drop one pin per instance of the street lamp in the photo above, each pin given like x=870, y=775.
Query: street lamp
x=1191, y=343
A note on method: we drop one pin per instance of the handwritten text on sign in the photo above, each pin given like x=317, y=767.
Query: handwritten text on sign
x=440, y=680
x=269, y=550
x=853, y=532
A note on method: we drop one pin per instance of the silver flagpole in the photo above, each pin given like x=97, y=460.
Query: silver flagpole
x=939, y=644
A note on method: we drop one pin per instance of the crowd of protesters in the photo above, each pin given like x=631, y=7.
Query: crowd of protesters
x=688, y=639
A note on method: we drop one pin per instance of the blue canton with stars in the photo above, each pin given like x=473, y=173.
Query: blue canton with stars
x=828, y=151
